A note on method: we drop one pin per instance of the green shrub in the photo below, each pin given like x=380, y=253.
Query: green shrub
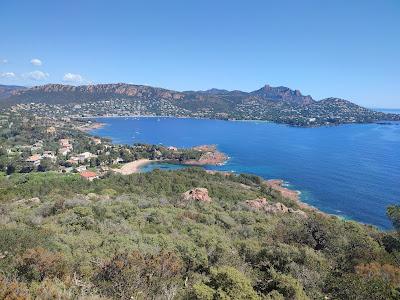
x=225, y=283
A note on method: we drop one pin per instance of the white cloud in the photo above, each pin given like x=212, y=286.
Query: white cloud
x=36, y=62
x=7, y=75
x=4, y=61
x=36, y=75
x=76, y=78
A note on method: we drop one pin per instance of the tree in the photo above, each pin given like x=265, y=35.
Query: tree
x=128, y=276
x=10, y=169
x=12, y=289
x=385, y=272
x=287, y=286
x=393, y=213
x=353, y=286
x=45, y=165
x=38, y=263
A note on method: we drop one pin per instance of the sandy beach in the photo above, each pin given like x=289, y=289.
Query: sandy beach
x=132, y=167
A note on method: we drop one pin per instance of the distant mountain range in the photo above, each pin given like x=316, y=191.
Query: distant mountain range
x=61, y=94
x=278, y=104
x=9, y=90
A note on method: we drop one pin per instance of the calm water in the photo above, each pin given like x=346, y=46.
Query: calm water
x=388, y=110
x=350, y=170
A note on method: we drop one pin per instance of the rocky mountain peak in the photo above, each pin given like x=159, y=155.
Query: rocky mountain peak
x=282, y=93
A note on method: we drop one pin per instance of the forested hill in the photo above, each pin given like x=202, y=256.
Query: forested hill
x=183, y=235
x=277, y=104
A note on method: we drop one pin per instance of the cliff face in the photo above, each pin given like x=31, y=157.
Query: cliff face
x=282, y=93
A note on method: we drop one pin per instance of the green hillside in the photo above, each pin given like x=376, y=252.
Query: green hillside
x=136, y=237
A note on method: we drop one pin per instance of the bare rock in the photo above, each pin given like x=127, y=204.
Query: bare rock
x=197, y=194
x=273, y=208
x=210, y=156
x=257, y=203
x=34, y=200
x=29, y=202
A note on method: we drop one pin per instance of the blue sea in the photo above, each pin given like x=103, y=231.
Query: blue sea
x=351, y=170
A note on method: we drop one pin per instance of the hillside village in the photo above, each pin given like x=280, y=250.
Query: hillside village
x=39, y=144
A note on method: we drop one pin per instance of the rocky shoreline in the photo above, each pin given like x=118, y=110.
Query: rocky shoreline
x=89, y=126
x=210, y=156
x=277, y=185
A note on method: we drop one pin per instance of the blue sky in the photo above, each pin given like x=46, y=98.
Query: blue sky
x=347, y=49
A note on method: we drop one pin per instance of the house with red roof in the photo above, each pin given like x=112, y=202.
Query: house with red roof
x=88, y=175
x=35, y=159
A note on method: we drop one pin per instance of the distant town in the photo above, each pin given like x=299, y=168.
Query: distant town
x=275, y=104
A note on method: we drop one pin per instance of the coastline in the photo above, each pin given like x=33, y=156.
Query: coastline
x=294, y=195
x=88, y=127
x=133, y=166
x=233, y=120
x=220, y=159
x=304, y=200
x=138, y=116
x=275, y=184
x=278, y=186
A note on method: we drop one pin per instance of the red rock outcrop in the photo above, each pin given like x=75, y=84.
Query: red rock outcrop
x=210, y=156
x=277, y=185
x=197, y=194
x=273, y=208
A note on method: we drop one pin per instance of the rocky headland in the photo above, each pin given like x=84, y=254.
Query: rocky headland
x=209, y=156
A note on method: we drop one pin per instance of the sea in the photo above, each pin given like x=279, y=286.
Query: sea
x=352, y=171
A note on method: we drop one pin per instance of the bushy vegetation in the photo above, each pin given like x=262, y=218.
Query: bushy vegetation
x=132, y=237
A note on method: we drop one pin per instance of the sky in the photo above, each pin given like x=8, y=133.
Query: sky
x=341, y=48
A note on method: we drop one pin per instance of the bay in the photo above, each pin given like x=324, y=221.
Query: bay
x=350, y=170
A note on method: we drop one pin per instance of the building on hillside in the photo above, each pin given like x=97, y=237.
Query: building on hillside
x=73, y=161
x=64, y=151
x=86, y=155
x=66, y=169
x=88, y=175
x=118, y=160
x=96, y=141
x=80, y=169
x=37, y=146
x=64, y=143
x=49, y=154
x=35, y=159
